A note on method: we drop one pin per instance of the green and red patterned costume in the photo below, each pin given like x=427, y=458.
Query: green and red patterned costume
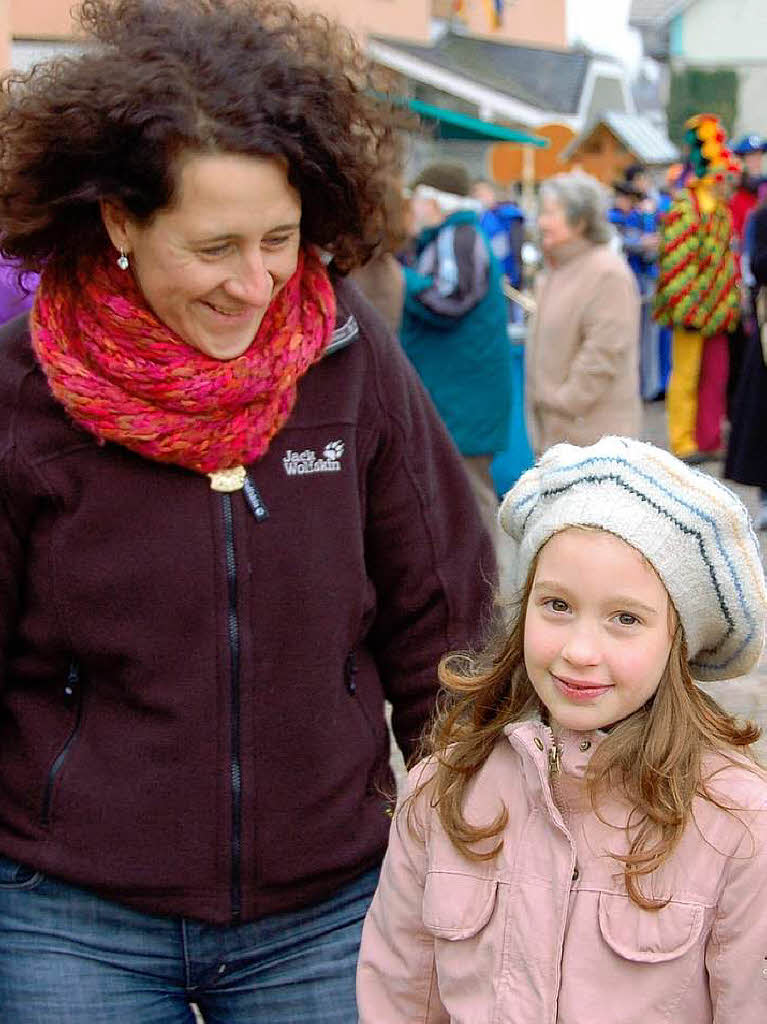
x=698, y=285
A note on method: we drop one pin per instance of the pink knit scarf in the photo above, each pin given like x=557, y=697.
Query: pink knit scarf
x=127, y=378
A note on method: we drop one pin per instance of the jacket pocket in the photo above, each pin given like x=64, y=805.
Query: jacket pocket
x=457, y=906
x=73, y=696
x=17, y=876
x=649, y=936
x=374, y=725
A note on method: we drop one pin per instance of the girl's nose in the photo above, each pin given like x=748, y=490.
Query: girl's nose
x=582, y=645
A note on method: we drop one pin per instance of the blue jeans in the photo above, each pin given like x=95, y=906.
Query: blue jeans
x=69, y=957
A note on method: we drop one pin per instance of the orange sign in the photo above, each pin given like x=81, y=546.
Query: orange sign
x=506, y=159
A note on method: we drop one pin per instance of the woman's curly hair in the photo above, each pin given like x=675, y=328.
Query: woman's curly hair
x=251, y=77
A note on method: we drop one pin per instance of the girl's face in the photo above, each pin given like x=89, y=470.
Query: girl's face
x=210, y=264
x=598, y=629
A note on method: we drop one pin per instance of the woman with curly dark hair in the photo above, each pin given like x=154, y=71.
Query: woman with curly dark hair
x=231, y=523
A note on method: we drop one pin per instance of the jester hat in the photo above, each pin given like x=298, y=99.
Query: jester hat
x=709, y=156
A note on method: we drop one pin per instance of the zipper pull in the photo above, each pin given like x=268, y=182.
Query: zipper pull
x=254, y=501
x=555, y=765
x=73, y=678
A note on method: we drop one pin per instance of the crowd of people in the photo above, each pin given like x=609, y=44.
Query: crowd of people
x=694, y=247
x=246, y=500
x=681, y=327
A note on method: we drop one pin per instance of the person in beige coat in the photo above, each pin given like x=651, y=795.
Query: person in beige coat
x=582, y=358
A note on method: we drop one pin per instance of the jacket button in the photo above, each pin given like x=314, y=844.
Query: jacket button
x=576, y=874
x=585, y=745
x=538, y=742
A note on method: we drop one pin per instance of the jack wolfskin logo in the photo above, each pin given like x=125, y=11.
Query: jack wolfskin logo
x=333, y=451
x=300, y=463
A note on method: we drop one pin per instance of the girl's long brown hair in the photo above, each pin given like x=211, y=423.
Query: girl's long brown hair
x=653, y=758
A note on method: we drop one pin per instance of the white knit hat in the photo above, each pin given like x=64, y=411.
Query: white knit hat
x=693, y=530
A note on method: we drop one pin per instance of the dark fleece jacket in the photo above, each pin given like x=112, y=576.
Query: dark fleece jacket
x=192, y=684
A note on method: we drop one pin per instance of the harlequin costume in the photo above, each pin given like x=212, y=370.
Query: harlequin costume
x=698, y=292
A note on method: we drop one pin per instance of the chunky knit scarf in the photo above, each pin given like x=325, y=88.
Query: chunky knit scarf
x=126, y=377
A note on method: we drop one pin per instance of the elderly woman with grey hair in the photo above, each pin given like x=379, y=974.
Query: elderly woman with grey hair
x=582, y=359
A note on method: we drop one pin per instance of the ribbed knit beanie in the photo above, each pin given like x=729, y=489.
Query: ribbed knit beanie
x=692, y=529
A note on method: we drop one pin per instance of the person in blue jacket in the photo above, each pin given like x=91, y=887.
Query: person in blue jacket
x=504, y=224
x=454, y=322
x=634, y=215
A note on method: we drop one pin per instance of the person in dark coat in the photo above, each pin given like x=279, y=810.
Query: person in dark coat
x=232, y=525
x=747, y=447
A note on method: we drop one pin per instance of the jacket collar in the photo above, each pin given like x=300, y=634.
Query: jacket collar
x=346, y=329
x=570, y=751
x=428, y=235
x=569, y=251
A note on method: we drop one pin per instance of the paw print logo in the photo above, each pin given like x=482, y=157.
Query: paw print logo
x=333, y=451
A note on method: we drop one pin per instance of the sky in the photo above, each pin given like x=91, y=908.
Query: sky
x=603, y=25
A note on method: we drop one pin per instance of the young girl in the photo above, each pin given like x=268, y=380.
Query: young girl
x=588, y=840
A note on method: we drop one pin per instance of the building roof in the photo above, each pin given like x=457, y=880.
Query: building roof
x=637, y=133
x=547, y=79
x=654, y=13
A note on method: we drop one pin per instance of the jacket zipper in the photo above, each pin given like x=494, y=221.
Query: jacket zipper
x=235, y=768
x=350, y=671
x=72, y=689
x=555, y=769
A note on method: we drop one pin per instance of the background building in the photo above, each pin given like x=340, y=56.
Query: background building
x=712, y=48
x=502, y=61
x=34, y=28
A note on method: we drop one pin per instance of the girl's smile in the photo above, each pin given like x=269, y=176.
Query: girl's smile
x=580, y=689
x=598, y=629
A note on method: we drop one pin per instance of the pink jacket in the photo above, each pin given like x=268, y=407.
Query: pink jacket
x=544, y=933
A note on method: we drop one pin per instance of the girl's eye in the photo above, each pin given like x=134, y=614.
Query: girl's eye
x=276, y=242
x=627, y=619
x=556, y=604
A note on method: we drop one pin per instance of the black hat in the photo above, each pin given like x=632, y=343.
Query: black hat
x=627, y=188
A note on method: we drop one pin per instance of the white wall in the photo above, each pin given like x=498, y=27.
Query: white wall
x=752, y=109
x=725, y=32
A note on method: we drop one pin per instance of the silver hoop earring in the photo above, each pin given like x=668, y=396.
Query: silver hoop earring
x=122, y=260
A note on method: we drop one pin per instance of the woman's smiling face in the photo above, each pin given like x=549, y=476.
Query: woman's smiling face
x=598, y=629
x=210, y=264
